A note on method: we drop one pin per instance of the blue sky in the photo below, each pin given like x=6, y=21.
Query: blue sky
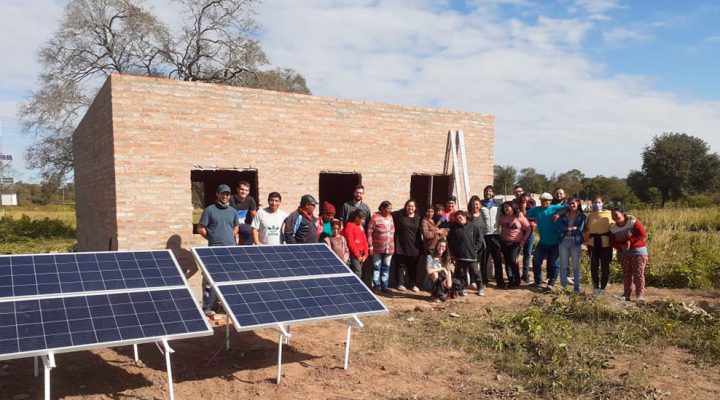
x=573, y=83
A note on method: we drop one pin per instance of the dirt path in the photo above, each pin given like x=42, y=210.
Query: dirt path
x=312, y=364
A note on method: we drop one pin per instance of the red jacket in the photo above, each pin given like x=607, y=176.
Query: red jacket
x=632, y=232
x=356, y=240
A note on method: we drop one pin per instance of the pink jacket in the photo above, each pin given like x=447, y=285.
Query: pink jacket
x=514, y=229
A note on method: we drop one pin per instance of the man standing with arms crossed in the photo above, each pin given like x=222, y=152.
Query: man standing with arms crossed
x=219, y=225
x=246, y=208
x=354, y=204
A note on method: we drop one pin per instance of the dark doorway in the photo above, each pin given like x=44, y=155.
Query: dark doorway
x=205, y=181
x=429, y=189
x=337, y=187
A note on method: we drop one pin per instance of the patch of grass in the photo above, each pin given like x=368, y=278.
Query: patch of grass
x=26, y=235
x=563, y=348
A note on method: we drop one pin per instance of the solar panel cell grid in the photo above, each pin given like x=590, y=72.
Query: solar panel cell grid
x=239, y=263
x=47, y=324
x=262, y=303
x=73, y=273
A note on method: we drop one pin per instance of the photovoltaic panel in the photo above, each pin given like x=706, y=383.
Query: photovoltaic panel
x=76, y=322
x=243, y=263
x=257, y=304
x=45, y=274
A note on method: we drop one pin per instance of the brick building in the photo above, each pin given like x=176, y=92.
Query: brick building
x=144, y=141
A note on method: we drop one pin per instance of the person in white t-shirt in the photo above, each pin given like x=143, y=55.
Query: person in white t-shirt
x=267, y=224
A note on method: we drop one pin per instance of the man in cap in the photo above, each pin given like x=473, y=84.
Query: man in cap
x=219, y=225
x=246, y=208
x=301, y=226
x=548, y=246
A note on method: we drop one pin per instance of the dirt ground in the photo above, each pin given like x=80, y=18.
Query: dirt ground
x=312, y=365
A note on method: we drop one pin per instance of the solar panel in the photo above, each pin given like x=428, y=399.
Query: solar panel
x=241, y=263
x=255, y=305
x=269, y=285
x=68, y=302
x=29, y=327
x=28, y=275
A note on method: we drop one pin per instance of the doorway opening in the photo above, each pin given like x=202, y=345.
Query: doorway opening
x=430, y=189
x=204, y=183
x=337, y=187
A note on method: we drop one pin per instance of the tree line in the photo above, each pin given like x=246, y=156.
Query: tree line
x=677, y=168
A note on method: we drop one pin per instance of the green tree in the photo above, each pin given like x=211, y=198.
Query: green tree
x=533, y=181
x=571, y=182
x=215, y=41
x=679, y=165
x=504, y=178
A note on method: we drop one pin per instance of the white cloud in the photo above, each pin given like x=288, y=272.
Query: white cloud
x=713, y=39
x=618, y=35
x=598, y=7
x=554, y=111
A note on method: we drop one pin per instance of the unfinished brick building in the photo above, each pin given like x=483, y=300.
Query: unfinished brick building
x=145, y=140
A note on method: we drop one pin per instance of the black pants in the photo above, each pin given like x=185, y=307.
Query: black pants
x=600, y=258
x=493, y=250
x=463, y=268
x=480, y=269
x=409, y=262
x=356, y=266
x=511, y=251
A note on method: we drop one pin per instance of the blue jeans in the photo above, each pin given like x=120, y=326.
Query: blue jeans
x=381, y=270
x=568, y=249
x=527, y=251
x=550, y=252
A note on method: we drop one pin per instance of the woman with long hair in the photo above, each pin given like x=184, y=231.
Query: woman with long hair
x=438, y=271
x=478, y=273
x=408, y=244
x=571, y=226
x=514, y=231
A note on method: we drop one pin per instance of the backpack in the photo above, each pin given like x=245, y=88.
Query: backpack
x=439, y=290
x=457, y=287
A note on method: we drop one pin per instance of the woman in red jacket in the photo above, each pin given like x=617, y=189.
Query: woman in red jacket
x=628, y=236
x=356, y=241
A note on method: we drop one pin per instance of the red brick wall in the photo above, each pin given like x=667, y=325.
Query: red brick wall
x=163, y=129
x=95, y=176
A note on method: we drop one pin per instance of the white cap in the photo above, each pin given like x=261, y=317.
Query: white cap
x=546, y=196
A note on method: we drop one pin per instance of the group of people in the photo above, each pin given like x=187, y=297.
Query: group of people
x=453, y=248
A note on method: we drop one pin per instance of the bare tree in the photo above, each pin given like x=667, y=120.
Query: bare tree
x=96, y=38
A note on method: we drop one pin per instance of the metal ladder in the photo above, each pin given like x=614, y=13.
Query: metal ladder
x=456, y=149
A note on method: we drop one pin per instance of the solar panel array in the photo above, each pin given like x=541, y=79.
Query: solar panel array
x=67, y=302
x=269, y=285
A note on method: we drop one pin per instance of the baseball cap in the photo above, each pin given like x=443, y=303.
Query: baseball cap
x=223, y=188
x=308, y=199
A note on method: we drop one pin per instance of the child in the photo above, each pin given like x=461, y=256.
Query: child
x=338, y=243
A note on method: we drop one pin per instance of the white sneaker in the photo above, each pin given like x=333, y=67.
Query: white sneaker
x=601, y=292
x=570, y=280
x=621, y=298
x=473, y=286
x=481, y=292
x=415, y=289
x=401, y=288
x=640, y=300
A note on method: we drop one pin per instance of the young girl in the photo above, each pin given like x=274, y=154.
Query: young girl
x=356, y=241
x=571, y=226
x=338, y=243
x=438, y=271
x=628, y=236
x=514, y=231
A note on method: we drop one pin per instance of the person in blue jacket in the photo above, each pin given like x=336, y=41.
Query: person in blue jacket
x=548, y=246
x=571, y=226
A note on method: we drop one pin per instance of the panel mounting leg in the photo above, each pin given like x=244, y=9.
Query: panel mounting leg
x=227, y=332
x=136, y=354
x=36, y=370
x=284, y=334
x=355, y=322
x=168, y=351
x=48, y=363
